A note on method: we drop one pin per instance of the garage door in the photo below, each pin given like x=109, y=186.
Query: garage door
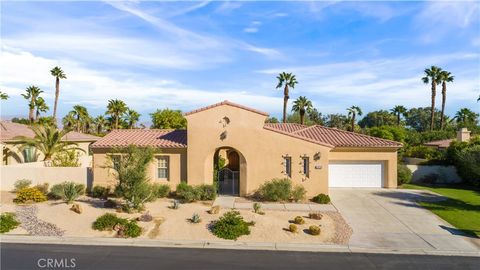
x=358, y=174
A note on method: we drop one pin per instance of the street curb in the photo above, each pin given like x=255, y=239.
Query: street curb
x=222, y=244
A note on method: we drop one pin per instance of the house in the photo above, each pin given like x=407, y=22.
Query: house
x=315, y=157
x=12, y=154
x=463, y=135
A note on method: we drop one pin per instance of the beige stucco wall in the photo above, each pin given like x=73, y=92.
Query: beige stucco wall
x=386, y=155
x=261, y=151
x=104, y=175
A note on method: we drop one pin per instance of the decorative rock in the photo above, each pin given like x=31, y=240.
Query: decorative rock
x=214, y=210
x=76, y=208
x=145, y=217
x=315, y=215
x=110, y=204
x=27, y=216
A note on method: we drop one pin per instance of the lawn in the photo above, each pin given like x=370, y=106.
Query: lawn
x=462, y=209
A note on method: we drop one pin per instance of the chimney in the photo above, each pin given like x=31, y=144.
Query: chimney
x=463, y=135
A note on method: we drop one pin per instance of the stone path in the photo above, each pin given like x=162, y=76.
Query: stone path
x=230, y=202
x=27, y=216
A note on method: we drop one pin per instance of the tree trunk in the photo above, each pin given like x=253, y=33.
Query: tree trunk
x=31, y=109
x=116, y=122
x=37, y=115
x=432, y=114
x=285, y=101
x=353, y=123
x=57, y=92
x=444, y=99
x=398, y=119
x=302, y=117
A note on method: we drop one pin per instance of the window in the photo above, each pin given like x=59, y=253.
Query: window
x=306, y=166
x=163, y=167
x=29, y=154
x=288, y=166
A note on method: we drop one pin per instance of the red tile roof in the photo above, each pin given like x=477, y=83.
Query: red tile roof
x=161, y=138
x=226, y=102
x=440, y=143
x=9, y=130
x=331, y=136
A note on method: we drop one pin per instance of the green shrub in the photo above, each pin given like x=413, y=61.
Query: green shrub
x=404, y=174
x=131, y=229
x=298, y=193
x=26, y=195
x=257, y=207
x=195, y=193
x=67, y=191
x=107, y=221
x=68, y=158
x=43, y=188
x=425, y=152
x=321, y=198
x=8, y=222
x=293, y=228
x=468, y=166
x=230, y=226
x=207, y=192
x=276, y=190
x=55, y=192
x=195, y=218
x=299, y=220
x=100, y=192
x=314, y=230
x=21, y=184
x=161, y=190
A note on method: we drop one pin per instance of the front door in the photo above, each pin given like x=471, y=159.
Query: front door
x=228, y=182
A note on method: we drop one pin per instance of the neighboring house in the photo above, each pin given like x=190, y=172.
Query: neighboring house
x=12, y=154
x=463, y=135
x=313, y=156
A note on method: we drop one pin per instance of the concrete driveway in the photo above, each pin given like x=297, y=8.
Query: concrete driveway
x=390, y=219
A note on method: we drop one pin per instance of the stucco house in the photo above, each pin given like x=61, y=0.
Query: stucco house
x=11, y=153
x=316, y=157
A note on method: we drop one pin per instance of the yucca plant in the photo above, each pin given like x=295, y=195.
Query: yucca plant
x=195, y=218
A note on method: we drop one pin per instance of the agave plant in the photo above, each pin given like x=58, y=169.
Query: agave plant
x=195, y=218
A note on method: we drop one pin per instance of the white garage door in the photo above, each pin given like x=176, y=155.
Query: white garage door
x=358, y=174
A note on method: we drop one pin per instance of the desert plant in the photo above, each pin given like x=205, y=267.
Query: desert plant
x=43, y=188
x=195, y=218
x=299, y=220
x=315, y=215
x=230, y=226
x=161, y=190
x=175, y=204
x=293, y=228
x=256, y=207
x=107, y=221
x=100, y=192
x=276, y=190
x=21, y=184
x=8, y=222
x=207, y=192
x=67, y=158
x=26, y=195
x=321, y=198
x=67, y=191
x=298, y=193
x=314, y=230
x=131, y=229
x=404, y=174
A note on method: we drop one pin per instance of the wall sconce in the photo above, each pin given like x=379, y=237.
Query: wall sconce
x=317, y=156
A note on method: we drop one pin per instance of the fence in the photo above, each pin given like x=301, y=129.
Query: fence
x=446, y=174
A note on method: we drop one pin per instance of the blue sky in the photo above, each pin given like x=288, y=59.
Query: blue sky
x=185, y=55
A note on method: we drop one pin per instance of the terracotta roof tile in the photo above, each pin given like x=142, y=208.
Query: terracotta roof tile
x=332, y=136
x=226, y=102
x=440, y=143
x=9, y=130
x=161, y=138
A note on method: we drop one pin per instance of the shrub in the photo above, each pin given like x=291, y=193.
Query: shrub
x=276, y=190
x=161, y=190
x=100, y=192
x=26, y=195
x=107, y=221
x=131, y=229
x=314, y=230
x=68, y=158
x=187, y=193
x=21, y=184
x=43, y=188
x=469, y=165
x=421, y=151
x=195, y=218
x=230, y=226
x=404, y=174
x=67, y=191
x=56, y=192
x=207, y=192
x=315, y=215
x=175, y=205
x=298, y=193
x=256, y=207
x=8, y=222
x=299, y=220
x=293, y=228
x=321, y=198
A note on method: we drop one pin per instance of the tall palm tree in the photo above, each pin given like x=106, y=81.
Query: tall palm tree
x=302, y=105
x=41, y=106
x=3, y=96
x=445, y=77
x=352, y=113
x=466, y=116
x=48, y=140
x=80, y=114
x=58, y=73
x=32, y=94
x=398, y=111
x=116, y=108
x=432, y=75
x=100, y=123
x=286, y=80
x=69, y=121
x=131, y=117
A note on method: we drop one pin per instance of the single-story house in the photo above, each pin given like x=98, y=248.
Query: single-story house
x=463, y=135
x=11, y=153
x=315, y=157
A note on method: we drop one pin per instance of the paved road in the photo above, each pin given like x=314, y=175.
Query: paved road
x=25, y=256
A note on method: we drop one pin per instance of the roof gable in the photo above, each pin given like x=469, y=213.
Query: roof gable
x=227, y=103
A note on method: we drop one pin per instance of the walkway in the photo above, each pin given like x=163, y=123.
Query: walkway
x=231, y=202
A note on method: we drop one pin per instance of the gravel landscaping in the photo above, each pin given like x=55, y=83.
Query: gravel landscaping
x=27, y=216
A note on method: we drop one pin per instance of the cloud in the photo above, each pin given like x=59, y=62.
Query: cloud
x=253, y=28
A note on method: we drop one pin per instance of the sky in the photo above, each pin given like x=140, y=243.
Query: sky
x=185, y=55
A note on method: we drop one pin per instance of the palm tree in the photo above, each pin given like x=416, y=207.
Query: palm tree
x=48, y=140
x=100, y=123
x=432, y=75
x=302, y=105
x=69, y=121
x=32, y=94
x=80, y=114
x=466, y=116
x=3, y=96
x=58, y=73
x=131, y=117
x=41, y=106
x=286, y=80
x=352, y=113
x=116, y=108
x=398, y=111
x=445, y=77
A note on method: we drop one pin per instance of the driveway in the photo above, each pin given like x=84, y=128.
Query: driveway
x=390, y=218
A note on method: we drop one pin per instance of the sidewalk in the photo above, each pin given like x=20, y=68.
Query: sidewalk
x=223, y=244
x=230, y=203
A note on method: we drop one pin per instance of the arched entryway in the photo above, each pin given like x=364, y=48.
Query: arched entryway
x=229, y=170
